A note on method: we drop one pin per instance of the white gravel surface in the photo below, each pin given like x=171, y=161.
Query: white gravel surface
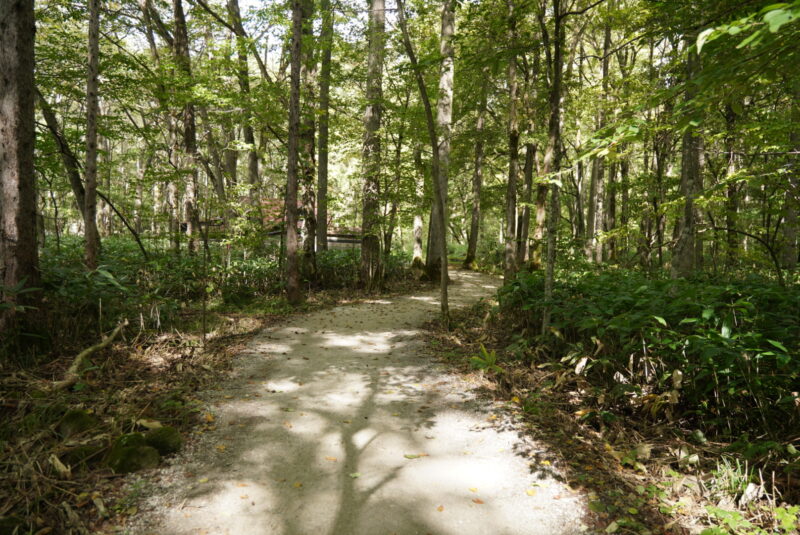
x=314, y=430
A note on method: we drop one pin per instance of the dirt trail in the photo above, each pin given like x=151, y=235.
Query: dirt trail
x=315, y=430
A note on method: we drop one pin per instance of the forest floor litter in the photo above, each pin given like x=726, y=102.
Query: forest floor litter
x=336, y=422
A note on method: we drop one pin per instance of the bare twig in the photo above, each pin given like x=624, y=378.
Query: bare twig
x=72, y=375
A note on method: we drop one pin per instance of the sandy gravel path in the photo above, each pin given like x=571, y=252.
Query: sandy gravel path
x=334, y=423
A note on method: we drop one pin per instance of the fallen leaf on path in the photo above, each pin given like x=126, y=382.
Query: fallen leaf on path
x=244, y=496
x=242, y=485
x=440, y=508
x=297, y=485
x=473, y=489
x=287, y=424
x=209, y=417
x=347, y=421
x=531, y=492
x=331, y=459
x=415, y=455
x=203, y=480
x=478, y=501
x=355, y=475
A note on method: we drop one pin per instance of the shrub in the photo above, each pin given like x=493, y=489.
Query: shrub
x=722, y=353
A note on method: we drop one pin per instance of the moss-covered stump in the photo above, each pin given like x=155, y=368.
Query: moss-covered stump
x=76, y=421
x=165, y=439
x=131, y=453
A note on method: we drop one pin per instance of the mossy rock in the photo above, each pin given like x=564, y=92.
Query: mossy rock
x=76, y=421
x=11, y=525
x=82, y=455
x=165, y=439
x=130, y=453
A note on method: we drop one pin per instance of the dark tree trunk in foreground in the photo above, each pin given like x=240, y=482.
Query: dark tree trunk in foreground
x=18, y=252
x=294, y=293
x=92, y=246
x=371, y=152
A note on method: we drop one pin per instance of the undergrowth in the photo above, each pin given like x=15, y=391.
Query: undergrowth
x=188, y=315
x=643, y=471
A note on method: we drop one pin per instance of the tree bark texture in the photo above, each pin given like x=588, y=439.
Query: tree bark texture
x=18, y=252
x=308, y=131
x=524, y=218
x=371, y=151
x=294, y=292
x=510, y=246
x=477, y=179
x=684, y=253
x=92, y=236
x=190, y=155
x=326, y=42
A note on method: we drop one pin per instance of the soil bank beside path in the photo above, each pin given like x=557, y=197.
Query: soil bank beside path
x=335, y=423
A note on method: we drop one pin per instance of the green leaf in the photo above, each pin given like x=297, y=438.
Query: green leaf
x=661, y=320
x=704, y=37
x=778, y=345
x=778, y=18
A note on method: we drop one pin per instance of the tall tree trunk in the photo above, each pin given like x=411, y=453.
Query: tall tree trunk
x=510, y=260
x=439, y=176
x=596, y=217
x=477, y=179
x=552, y=156
x=371, y=152
x=230, y=156
x=326, y=42
x=538, y=231
x=417, y=262
x=294, y=293
x=308, y=121
x=444, y=117
x=191, y=156
x=610, y=212
x=243, y=75
x=684, y=253
x=92, y=236
x=624, y=213
x=524, y=223
x=19, y=259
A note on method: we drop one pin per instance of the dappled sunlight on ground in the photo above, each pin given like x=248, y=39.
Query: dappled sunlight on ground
x=336, y=424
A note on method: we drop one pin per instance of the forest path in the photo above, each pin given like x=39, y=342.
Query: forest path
x=321, y=431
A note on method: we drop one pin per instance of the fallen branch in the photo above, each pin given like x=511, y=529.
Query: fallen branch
x=73, y=372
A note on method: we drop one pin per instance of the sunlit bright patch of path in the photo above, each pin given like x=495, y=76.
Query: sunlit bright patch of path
x=336, y=423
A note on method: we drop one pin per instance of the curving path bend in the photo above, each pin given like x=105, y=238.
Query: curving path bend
x=335, y=423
